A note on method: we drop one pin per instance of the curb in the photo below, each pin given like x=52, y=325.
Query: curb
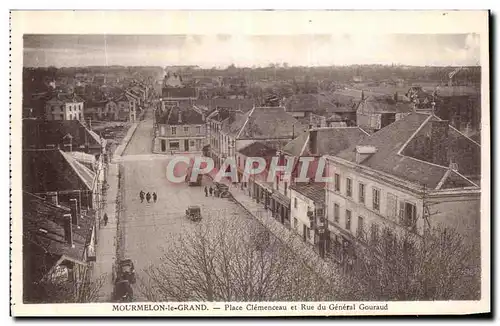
x=126, y=140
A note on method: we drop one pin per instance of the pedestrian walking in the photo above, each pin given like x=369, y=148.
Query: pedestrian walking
x=148, y=197
x=105, y=219
x=206, y=191
x=210, y=190
x=141, y=196
x=155, y=197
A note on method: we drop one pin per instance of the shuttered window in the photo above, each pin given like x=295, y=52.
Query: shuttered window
x=392, y=207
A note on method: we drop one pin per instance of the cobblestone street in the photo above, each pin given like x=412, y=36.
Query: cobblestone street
x=150, y=228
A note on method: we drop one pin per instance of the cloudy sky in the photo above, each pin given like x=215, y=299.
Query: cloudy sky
x=222, y=50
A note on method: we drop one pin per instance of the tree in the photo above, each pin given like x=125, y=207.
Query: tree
x=439, y=266
x=227, y=260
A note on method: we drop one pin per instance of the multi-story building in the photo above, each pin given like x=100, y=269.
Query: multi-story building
x=313, y=145
x=222, y=111
x=414, y=175
x=270, y=125
x=180, y=130
x=64, y=107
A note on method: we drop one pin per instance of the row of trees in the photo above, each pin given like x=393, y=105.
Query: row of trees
x=226, y=260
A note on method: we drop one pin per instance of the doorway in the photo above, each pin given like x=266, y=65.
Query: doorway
x=186, y=145
x=163, y=145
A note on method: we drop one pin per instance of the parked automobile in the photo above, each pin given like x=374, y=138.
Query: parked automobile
x=124, y=270
x=194, y=213
x=122, y=291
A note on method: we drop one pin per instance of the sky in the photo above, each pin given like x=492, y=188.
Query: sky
x=250, y=50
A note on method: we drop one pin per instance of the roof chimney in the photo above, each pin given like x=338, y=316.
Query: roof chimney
x=53, y=198
x=73, y=206
x=364, y=152
x=68, y=230
x=313, y=142
x=439, y=142
x=180, y=117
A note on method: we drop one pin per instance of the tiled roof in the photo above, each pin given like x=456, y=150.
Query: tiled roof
x=43, y=225
x=269, y=123
x=72, y=98
x=53, y=170
x=380, y=105
x=329, y=141
x=40, y=133
x=95, y=104
x=389, y=141
x=296, y=146
x=85, y=174
x=179, y=92
x=234, y=104
x=313, y=190
x=182, y=116
x=233, y=125
x=257, y=149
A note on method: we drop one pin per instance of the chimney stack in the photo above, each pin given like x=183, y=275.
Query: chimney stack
x=68, y=230
x=439, y=142
x=180, y=117
x=52, y=197
x=313, y=142
x=73, y=205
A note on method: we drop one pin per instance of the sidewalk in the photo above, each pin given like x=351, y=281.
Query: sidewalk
x=327, y=269
x=106, y=246
x=107, y=235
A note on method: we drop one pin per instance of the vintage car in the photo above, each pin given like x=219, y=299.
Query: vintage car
x=194, y=213
x=222, y=190
x=122, y=291
x=124, y=271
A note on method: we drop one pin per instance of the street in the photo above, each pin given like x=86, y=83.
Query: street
x=149, y=228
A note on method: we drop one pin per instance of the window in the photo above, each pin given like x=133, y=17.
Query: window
x=173, y=145
x=348, y=215
x=392, y=207
x=295, y=222
x=361, y=228
x=361, y=192
x=186, y=130
x=336, y=213
x=337, y=182
x=348, y=187
x=376, y=199
x=408, y=214
x=295, y=204
x=174, y=130
x=191, y=143
x=198, y=130
x=374, y=233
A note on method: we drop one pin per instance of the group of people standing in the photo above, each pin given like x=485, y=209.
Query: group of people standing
x=148, y=196
x=213, y=191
